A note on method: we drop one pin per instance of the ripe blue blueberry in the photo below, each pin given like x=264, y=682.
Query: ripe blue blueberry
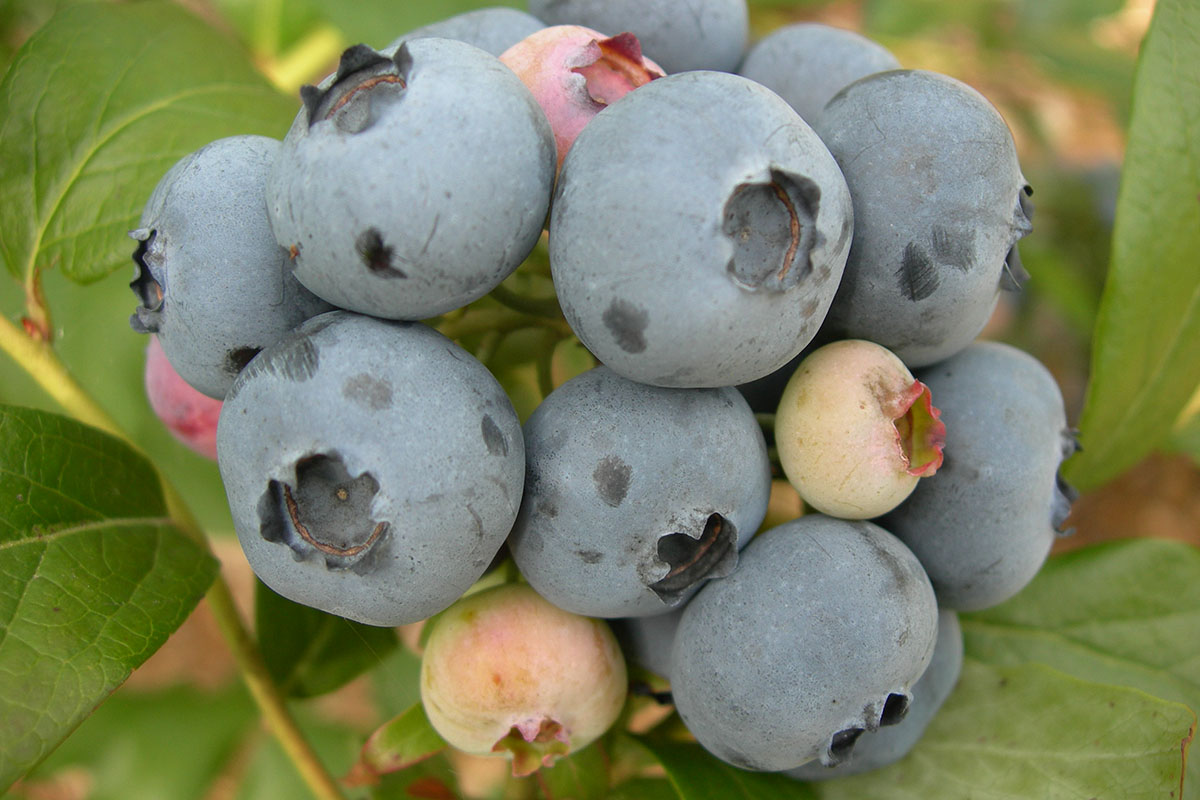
x=807, y=63
x=210, y=279
x=647, y=641
x=817, y=638
x=373, y=468
x=677, y=275
x=939, y=204
x=635, y=494
x=493, y=29
x=892, y=743
x=389, y=192
x=699, y=34
x=983, y=525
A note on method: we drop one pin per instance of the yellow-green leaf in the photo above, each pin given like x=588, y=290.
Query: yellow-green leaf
x=1146, y=349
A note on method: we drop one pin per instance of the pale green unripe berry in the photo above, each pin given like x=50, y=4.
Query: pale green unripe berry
x=505, y=672
x=856, y=431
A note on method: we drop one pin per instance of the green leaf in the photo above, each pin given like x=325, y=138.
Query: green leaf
x=1060, y=14
x=131, y=748
x=579, y=776
x=270, y=26
x=93, y=577
x=1032, y=732
x=433, y=778
x=570, y=359
x=644, y=789
x=309, y=652
x=696, y=775
x=1145, y=362
x=1186, y=439
x=395, y=685
x=397, y=745
x=99, y=103
x=1123, y=613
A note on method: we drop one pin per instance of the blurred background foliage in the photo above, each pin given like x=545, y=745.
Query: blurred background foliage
x=1061, y=73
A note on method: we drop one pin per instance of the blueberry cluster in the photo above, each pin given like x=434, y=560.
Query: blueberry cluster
x=822, y=219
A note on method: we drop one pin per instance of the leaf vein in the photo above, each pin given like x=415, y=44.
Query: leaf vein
x=88, y=527
x=103, y=138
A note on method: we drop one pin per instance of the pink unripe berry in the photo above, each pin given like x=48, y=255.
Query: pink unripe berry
x=190, y=416
x=505, y=672
x=856, y=431
x=574, y=72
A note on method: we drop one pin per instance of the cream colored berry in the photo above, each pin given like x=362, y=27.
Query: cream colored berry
x=856, y=431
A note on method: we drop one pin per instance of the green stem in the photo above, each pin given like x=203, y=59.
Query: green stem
x=545, y=372
x=42, y=363
x=503, y=320
x=266, y=695
x=537, y=306
x=487, y=346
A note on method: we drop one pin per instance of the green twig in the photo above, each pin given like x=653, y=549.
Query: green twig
x=487, y=346
x=537, y=306
x=504, y=320
x=545, y=365
x=42, y=363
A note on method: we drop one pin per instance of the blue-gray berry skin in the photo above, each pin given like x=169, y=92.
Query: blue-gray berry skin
x=209, y=277
x=892, y=743
x=493, y=29
x=984, y=524
x=647, y=641
x=635, y=494
x=939, y=203
x=373, y=468
x=389, y=189
x=698, y=34
x=698, y=232
x=817, y=638
x=807, y=63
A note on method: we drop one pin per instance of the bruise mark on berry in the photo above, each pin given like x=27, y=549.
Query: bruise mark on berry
x=493, y=437
x=901, y=578
x=627, y=323
x=368, y=391
x=611, y=477
x=293, y=358
x=954, y=248
x=376, y=255
x=917, y=274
